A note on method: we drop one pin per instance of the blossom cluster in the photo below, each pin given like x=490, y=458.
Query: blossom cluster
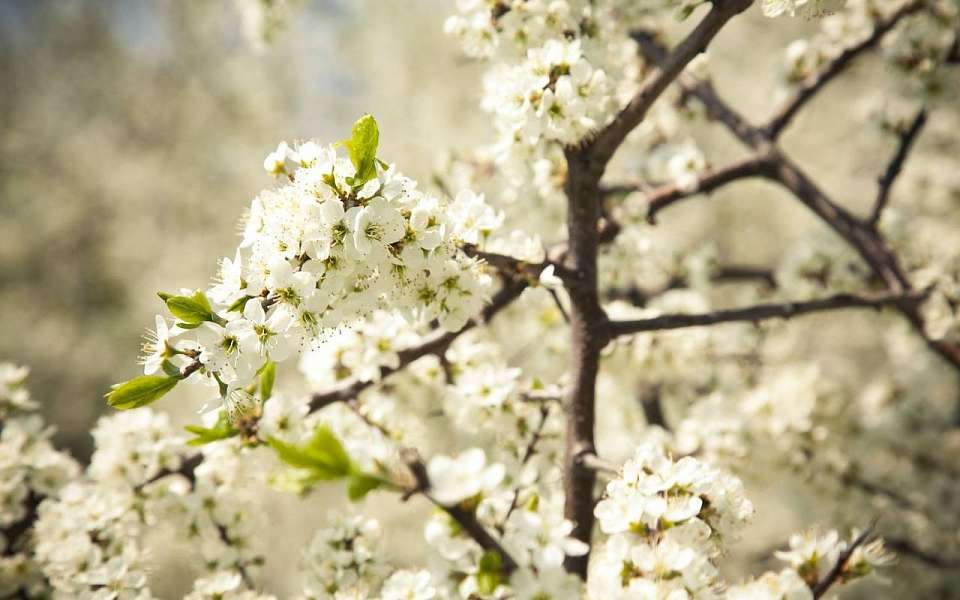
x=663, y=519
x=562, y=67
x=342, y=238
x=31, y=469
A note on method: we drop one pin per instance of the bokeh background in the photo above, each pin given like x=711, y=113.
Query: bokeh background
x=132, y=134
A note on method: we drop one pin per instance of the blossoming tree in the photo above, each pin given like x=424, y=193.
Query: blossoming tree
x=605, y=458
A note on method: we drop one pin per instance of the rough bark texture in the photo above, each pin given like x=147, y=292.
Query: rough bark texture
x=588, y=325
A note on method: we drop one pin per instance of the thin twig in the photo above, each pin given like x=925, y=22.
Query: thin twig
x=435, y=343
x=732, y=273
x=905, y=547
x=885, y=182
x=820, y=588
x=759, y=312
x=861, y=237
x=663, y=196
x=466, y=519
x=556, y=300
x=809, y=88
x=527, y=455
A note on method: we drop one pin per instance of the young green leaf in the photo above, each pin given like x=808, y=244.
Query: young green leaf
x=192, y=310
x=268, y=375
x=238, y=304
x=325, y=448
x=361, y=484
x=323, y=455
x=362, y=147
x=140, y=391
x=489, y=572
x=221, y=430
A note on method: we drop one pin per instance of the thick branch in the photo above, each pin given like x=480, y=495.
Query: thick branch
x=889, y=176
x=809, y=88
x=761, y=312
x=609, y=139
x=587, y=338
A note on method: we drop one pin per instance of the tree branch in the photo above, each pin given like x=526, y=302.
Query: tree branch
x=885, y=182
x=722, y=274
x=466, y=519
x=905, y=547
x=760, y=312
x=528, y=453
x=513, y=267
x=836, y=573
x=863, y=238
x=609, y=138
x=434, y=343
x=661, y=197
x=587, y=338
x=809, y=88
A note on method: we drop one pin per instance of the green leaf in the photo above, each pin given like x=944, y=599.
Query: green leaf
x=170, y=369
x=192, y=310
x=360, y=485
x=325, y=448
x=489, y=572
x=140, y=391
x=238, y=304
x=291, y=454
x=268, y=375
x=362, y=147
x=221, y=430
x=323, y=455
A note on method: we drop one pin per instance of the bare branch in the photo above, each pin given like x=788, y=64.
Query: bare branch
x=732, y=273
x=761, y=312
x=717, y=110
x=661, y=197
x=809, y=88
x=885, y=182
x=609, y=139
x=858, y=234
